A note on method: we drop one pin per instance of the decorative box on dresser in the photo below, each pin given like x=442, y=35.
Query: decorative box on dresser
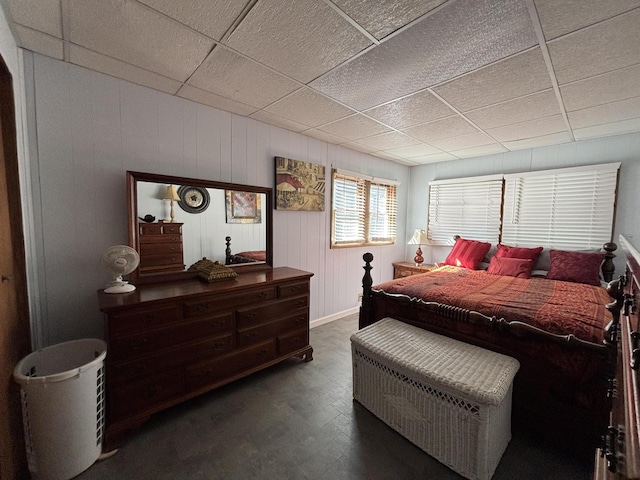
x=405, y=269
x=619, y=455
x=160, y=247
x=169, y=342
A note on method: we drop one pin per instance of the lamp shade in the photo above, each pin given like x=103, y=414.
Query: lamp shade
x=171, y=193
x=419, y=238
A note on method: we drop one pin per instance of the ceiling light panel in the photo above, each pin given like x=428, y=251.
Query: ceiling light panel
x=603, y=89
x=300, y=38
x=211, y=17
x=42, y=15
x=387, y=141
x=559, y=17
x=445, y=128
x=309, y=108
x=538, y=105
x=138, y=35
x=230, y=75
x=354, y=127
x=532, y=128
x=382, y=17
x=609, y=113
x=610, y=45
x=413, y=110
x=216, y=101
x=40, y=42
x=505, y=80
x=462, y=36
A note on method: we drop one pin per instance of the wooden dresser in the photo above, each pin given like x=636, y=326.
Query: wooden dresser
x=172, y=341
x=404, y=269
x=619, y=458
x=160, y=247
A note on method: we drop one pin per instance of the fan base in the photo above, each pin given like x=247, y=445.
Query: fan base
x=120, y=287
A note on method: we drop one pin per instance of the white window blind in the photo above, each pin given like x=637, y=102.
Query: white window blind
x=469, y=207
x=570, y=208
x=364, y=210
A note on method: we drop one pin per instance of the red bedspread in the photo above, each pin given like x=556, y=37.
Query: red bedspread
x=555, y=306
x=255, y=255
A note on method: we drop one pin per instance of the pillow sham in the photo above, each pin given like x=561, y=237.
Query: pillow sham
x=507, y=251
x=467, y=253
x=577, y=267
x=512, y=267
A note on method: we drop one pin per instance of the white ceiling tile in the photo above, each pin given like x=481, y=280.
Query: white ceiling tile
x=418, y=150
x=211, y=17
x=277, y=121
x=607, y=88
x=462, y=36
x=137, y=35
x=301, y=38
x=552, y=139
x=538, y=105
x=358, y=147
x=387, y=141
x=111, y=66
x=608, y=129
x=479, y=151
x=42, y=15
x=213, y=100
x=608, y=113
x=461, y=142
x=505, y=80
x=559, y=17
x=606, y=46
x=39, y=42
x=412, y=110
x=327, y=137
x=354, y=127
x=445, y=128
x=230, y=75
x=309, y=108
x=529, y=129
x=438, y=157
x=382, y=17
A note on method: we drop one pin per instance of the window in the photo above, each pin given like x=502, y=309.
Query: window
x=363, y=210
x=564, y=208
x=469, y=207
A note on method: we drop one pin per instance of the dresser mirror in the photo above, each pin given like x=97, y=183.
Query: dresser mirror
x=176, y=221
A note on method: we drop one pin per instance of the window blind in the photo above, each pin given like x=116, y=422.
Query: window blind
x=469, y=207
x=569, y=208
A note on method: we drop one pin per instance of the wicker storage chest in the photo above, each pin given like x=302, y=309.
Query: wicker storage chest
x=451, y=399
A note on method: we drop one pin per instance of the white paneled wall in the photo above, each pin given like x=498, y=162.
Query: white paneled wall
x=90, y=129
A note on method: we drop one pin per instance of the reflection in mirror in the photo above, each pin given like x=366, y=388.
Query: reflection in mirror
x=223, y=222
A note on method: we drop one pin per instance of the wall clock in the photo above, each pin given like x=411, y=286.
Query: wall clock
x=193, y=199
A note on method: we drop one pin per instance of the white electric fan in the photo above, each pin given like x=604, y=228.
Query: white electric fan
x=120, y=260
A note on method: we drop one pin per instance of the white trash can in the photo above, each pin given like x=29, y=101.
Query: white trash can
x=62, y=390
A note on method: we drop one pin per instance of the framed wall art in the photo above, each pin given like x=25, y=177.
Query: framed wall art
x=299, y=185
x=243, y=207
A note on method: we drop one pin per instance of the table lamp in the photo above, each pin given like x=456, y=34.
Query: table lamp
x=419, y=238
x=171, y=195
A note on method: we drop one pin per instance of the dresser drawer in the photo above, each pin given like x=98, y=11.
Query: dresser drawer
x=170, y=229
x=207, y=305
x=145, y=392
x=271, y=311
x=165, y=259
x=155, y=239
x=120, y=373
x=293, y=341
x=121, y=324
x=228, y=365
x=292, y=289
x=160, y=248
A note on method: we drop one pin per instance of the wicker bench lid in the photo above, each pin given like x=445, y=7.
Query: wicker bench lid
x=478, y=373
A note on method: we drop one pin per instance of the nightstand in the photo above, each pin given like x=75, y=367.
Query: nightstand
x=404, y=269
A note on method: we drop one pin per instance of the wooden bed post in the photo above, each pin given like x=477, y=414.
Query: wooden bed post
x=227, y=252
x=607, y=266
x=366, y=308
x=611, y=334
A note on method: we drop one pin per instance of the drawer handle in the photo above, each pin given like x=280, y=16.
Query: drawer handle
x=302, y=302
x=217, y=323
x=216, y=347
x=203, y=307
x=148, y=318
x=295, y=288
x=263, y=295
x=251, y=335
x=404, y=274
x=262, y=352
x=301, y=319
x=251, y=315
x=293, y=340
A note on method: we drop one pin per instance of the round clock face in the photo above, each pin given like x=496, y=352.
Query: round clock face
x=193, y=199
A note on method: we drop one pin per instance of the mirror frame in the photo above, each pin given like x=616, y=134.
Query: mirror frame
x=132, y=213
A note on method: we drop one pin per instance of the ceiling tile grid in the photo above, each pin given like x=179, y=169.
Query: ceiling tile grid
x=414, y=81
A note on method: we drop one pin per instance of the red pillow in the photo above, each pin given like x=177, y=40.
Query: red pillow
x=578, y=267
x=467, y=253
x=507, y=251
x=512, y=267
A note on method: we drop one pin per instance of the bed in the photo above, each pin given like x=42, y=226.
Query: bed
x=243, y=257
x=562, y=332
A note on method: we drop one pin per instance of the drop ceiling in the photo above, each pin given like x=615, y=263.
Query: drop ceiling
x=415, y=81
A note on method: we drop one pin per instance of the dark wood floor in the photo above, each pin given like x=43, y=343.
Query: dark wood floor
x=298, y=421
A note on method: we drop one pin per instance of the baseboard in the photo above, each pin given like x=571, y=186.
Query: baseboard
x=330, y=318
